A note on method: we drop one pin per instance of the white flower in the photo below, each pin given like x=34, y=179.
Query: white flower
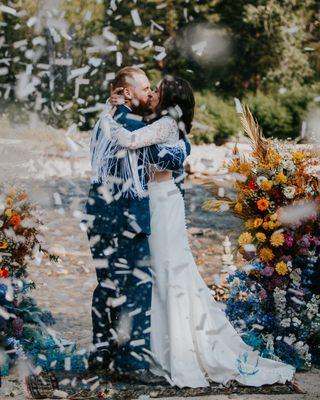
x=285, y=323
x=288, y=165
x=296, y=321
x=289, y=192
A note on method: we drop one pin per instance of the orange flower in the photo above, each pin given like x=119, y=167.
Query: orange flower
x=263, y=204
x=15, y=220
x=4, y=273
x=257, y=222
x=266, y=254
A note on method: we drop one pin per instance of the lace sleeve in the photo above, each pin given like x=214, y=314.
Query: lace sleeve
x=158, y=132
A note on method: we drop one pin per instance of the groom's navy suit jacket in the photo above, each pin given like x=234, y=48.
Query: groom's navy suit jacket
x=118, y=216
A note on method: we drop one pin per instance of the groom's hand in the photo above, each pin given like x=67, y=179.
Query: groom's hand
x=116, y=97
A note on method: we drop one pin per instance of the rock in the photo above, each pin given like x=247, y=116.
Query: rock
x=206, y=159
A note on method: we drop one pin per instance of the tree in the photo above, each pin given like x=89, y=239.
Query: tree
x=269, y=39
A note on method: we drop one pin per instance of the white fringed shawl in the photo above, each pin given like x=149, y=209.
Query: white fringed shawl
x=115, y=166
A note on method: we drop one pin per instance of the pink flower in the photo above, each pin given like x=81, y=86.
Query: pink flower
x=262, y=294
x=288, y=241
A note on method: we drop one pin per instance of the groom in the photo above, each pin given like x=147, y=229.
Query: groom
x=118, y=234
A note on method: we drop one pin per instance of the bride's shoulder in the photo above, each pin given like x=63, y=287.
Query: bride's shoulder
x=169, y=122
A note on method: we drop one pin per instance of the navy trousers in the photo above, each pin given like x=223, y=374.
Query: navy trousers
x=121, y=301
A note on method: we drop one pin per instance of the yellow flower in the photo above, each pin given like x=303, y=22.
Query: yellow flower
x=273, y=217
x=266, y=254
x=257, y=222
x=281, y=178
x=272, y=225
x=245, y=238
x=3, y=245
x=9, y=202
x=266, y=185
x=281, y=268
x=261, y=237
x=277, y=239
x=8, y=213
x=238, y=207
x=249, y=223
x=265, y=225
x=297, y=155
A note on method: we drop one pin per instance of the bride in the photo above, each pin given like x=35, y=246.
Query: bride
x=192, y=341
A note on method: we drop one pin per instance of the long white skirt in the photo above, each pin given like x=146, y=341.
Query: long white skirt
x=192, y=340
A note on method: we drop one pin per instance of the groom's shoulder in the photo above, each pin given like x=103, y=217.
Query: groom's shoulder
x=128, y=119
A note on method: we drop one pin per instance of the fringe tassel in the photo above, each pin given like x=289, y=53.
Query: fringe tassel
x=122, y=170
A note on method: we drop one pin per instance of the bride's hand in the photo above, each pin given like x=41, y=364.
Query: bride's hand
x=116, y=97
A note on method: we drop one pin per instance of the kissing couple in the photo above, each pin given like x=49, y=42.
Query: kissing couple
x=152, y=313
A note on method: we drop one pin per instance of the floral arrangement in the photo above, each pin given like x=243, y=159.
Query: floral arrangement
x=20, y=242
x=275, y=299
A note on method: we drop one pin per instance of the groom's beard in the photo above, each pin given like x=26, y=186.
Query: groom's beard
x=142, y=109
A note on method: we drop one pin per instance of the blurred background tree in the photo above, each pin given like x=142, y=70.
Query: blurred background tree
x=58, y=57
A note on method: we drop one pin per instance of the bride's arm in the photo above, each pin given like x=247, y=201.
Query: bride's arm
x=156, y=133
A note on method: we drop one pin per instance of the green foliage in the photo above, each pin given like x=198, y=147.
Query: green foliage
x=269, y=39
x=279, y=115
x=217, y=119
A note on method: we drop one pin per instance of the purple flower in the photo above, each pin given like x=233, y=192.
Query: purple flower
x=267, y=271
x=304, y=241
x=17, y=326
x=314, y=241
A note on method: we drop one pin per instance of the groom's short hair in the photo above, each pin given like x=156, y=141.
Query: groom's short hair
x=125, y=76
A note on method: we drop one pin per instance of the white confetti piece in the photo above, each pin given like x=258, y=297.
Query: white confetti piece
x=136, y=17
x=95, y=386
x=20, y=43
x=139, y=342
x=57, y=199
x=4, y=71
x=128, y=234
x=66, y=62
x=116, y=301
x=60, y=394
x=67, y=364
x=160, y=56
x=139, y=46
x=79, y=71
x=238, y=105
x=155, y=25
x=110, y=76
x=8, y=10
x=109, y=35
x=144, y=277
x=119, y=59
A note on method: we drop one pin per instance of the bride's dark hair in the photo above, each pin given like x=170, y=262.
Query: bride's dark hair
x=176, y=99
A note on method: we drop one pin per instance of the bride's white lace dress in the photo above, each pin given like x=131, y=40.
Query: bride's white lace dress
x=192, y=340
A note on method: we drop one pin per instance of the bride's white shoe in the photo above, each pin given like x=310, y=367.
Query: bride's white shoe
x=192, y=340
